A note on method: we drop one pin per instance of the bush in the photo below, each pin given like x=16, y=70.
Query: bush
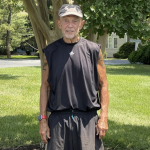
x=116, y=55
x=142, y=55
x=3, y=50
x=105, y=55
x=37, y=53
x=132, y=57
x=28, y=52
x=125, y=50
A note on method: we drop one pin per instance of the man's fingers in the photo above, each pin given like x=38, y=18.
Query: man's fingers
x=44, y=131
x=97, y=130
x=102, y=134
x=48, y=134
x=43, y=137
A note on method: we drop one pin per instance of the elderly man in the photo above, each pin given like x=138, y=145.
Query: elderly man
x=75, y=75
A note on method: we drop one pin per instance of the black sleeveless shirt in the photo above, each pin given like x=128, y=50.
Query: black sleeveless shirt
x=73, y=75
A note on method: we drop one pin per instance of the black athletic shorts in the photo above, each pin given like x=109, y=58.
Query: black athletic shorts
x=73, y=130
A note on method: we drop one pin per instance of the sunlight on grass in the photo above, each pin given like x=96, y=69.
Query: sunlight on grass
x=19, y=57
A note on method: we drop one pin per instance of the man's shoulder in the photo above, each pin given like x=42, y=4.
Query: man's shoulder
x=53, y=45
x=90, y=44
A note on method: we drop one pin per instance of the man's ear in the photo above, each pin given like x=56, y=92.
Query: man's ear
x=82, y=23
x=59, y=24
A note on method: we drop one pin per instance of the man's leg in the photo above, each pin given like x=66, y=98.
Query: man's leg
x=84, y=133
x=60, y=132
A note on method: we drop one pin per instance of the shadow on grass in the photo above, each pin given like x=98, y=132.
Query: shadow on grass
x=132, y=69
x=127, y=137
x=18, y=130
x=8, y=77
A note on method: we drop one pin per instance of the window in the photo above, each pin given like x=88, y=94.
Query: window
x=115, y=42
x=110, y=43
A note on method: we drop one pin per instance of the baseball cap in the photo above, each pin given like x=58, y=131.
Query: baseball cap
x=68, y=9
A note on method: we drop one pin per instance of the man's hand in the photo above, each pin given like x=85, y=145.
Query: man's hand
x=44, y=130
x=101, y=127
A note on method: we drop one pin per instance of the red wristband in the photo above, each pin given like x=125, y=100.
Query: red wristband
x=44, y=117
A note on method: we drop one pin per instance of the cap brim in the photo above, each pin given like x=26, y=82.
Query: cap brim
x=71, y=13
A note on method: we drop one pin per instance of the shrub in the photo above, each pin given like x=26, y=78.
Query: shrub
x=116, y=55
x=132, y=57
x=28, y=52
x=105, y=55
x=142, y=55
x=3, y=50
x=125, y=50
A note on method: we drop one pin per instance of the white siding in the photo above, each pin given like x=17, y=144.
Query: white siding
x=110, y=48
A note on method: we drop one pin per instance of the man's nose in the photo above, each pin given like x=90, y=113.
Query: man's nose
x=70, y=24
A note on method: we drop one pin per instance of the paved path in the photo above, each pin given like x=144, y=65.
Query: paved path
x=116, y=62
x=5, y=63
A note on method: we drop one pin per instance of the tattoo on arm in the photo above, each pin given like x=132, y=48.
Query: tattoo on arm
x=44, y=65
x=100, y=59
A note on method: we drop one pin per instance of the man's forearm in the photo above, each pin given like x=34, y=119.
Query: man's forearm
x=44, y=95
x=104, y=100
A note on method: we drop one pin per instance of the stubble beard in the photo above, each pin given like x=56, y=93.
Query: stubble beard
x=70, y=36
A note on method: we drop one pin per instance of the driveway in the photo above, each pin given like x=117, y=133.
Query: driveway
x=5, y=63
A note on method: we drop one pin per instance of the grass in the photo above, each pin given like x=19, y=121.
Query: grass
x=19, y=106
x=19, y=57
x=129, y=114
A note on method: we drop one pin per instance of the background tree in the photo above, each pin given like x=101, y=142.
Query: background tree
x=106, y=16
x=12, y=25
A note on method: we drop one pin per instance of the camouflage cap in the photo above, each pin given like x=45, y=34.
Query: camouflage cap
x=68, y=9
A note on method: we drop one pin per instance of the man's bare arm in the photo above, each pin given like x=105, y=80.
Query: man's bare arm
x=44, y=95
x=44, y=91
x=102, y=126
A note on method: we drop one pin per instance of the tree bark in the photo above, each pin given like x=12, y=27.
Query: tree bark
x=8, y=34
x=92, y=37
x=103, y=41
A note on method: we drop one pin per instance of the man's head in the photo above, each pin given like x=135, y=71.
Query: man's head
x=70, y=20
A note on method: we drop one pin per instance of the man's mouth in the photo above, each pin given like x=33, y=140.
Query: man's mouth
x=69, y=31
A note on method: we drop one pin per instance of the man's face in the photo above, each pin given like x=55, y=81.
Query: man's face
x=70, y=26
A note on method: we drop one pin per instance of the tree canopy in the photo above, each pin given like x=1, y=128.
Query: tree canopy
x=117, y=16
x=13, y=20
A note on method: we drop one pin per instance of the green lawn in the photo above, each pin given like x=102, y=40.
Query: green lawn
x=19, y=57
x=129, y=108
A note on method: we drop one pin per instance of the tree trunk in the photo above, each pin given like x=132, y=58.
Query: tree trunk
x=92, y=37
x=103, y=41
x=8, y=35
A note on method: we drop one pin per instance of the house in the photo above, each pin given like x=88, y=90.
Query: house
x=113, y=44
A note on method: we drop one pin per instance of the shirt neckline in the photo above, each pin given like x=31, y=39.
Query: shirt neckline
x=63, y=42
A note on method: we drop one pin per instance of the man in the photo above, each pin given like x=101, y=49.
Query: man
x=74, y=73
